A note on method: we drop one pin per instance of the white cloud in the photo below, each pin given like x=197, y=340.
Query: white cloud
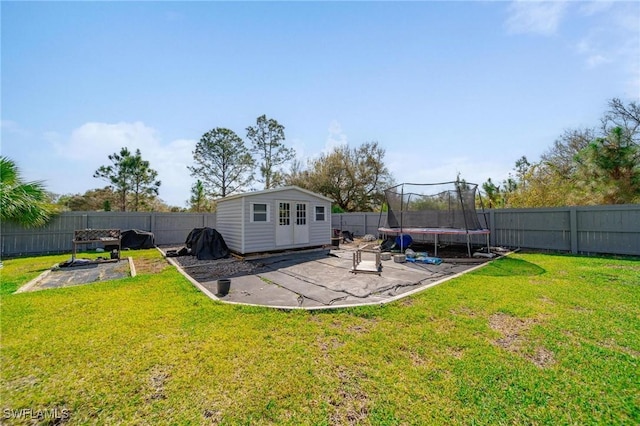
x=595, y=60
x=535, y=17
x=93, y=142
x=614, y=38
x=13, y=127
x=89, y=146
x=595, y=7
x=611, y=34
x=335, y=138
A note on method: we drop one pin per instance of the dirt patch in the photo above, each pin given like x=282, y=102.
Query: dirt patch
x=158, y=376
x=351, y=404
x=510, y=326
x=416, y=359
x=463, y=310
x=327, y=344
x=456, y=352
x=582, y=309
x=512, y=340
x=624, y=267
x=408, y=301
x=150, y=266
x=542, y=357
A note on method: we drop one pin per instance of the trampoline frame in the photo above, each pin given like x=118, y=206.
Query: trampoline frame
x=438, y=231
x=385, y=231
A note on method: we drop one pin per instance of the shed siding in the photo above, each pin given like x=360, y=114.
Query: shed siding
x=320, y=232
x=260, y=236
x=228, y=223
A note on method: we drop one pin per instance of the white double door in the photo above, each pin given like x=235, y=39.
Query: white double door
x=292, y=226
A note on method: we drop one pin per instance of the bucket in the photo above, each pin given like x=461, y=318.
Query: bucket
x=335, y=241
x=399, y=258
x=223, y=287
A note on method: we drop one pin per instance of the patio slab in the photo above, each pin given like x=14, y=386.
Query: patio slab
x=320, y=280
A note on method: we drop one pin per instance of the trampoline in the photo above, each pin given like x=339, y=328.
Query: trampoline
x=447, y=208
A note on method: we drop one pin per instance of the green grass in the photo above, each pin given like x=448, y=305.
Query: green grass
x=529, y=339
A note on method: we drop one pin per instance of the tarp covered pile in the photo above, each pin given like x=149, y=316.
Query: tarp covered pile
x=205, y=244
x=137, y=239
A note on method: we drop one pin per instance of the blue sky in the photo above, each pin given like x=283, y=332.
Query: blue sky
x=444, y=87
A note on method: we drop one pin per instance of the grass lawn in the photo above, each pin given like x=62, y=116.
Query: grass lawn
x=529, y=339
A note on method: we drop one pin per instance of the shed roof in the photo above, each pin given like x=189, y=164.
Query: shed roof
x=274, y=190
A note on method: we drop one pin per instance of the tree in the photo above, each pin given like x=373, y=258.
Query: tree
x=198, y=202
x=584, y=166
x=129, y=176
x=560, y=158
x=355, y=178
x=266, y=138
x=492, y=191
x=92, y=200
x=626, y=117
x=144, y=181
x=224, y=165
x=22, y=202
x=611, y=166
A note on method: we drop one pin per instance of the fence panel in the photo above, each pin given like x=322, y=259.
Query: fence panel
x=358, y=224
x=119, y=220
x=173, y=228
x=547, y=229
x=614, y=230
x=56, y=236
x=593, y=229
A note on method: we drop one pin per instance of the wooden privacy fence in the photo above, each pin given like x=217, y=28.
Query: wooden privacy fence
x=592, y=229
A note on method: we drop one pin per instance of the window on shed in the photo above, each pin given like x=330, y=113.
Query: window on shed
x=301, y=214
x=320, y=214
x=259, y=212
x=285, y=214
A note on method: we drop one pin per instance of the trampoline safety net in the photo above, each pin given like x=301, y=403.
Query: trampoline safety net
x=440, y=205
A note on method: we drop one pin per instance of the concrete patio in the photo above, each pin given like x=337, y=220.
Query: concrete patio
x=322, y=279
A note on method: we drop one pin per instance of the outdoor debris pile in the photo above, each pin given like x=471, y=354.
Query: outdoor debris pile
x=137, y=239
x=205, y=244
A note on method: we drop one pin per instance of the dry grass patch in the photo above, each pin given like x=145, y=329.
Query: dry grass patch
x=158, y=376
x=351, y=405
x=145, y=265
x=513, y=339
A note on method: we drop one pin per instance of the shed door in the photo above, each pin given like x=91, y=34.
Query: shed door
x=301, y=225
x=293, y=223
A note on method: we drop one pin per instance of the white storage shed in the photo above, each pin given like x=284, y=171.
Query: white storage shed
x=274, y=219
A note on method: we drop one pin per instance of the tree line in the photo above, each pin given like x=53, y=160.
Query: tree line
x=584, y=166
x=224, y=164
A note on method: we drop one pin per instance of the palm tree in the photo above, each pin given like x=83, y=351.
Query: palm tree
x=22, y=202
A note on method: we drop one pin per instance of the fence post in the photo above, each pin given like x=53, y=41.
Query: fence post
x=573, y=229
x=492, y=227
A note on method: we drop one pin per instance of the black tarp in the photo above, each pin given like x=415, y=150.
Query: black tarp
x=137, y=239
x=207, y=244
